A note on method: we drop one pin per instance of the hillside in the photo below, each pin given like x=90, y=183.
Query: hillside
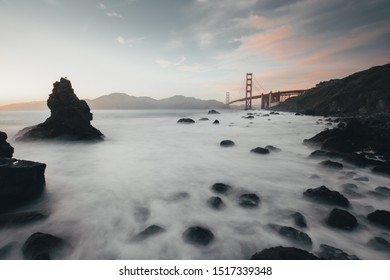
x=362, y=93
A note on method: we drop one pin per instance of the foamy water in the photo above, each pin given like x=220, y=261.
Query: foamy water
x=151, y=170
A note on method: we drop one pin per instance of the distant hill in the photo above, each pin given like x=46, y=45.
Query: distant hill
x=362, y=93
x=122, y=101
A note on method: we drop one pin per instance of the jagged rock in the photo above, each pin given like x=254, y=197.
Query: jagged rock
x=148, y=232
x=227, y=143
x=20, y=219
x=331, y=164
x=341, y=219
x=215, y=202
x=331, y=253
x=213, y=112
x=379, y=243
x=249, y=200
x=299, y=220
x=283, y=253
x=20, y=181
x=199, y=236
x=260, y=150
x=186, y=120
x=216, y=122
x=70, y=117
x=380, y=218
x=6, y=150
x=44, y=246
x=324, y=195
x=221, y=188
x=272, y=148
x=300, y=238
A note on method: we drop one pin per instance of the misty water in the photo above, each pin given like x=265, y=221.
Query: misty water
x=152, y=170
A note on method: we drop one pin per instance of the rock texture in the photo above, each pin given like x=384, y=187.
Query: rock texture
x=341, y=219
x=324, y=195
x=70, y=117
x=186, y=120
x=44, y=246
x=331, y=253
x=148, y=232
x=199, y=236
x=20, y=181
x=380, y=218
x=283, y=253
x=6, y=150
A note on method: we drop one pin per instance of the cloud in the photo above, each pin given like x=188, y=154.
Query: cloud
x=102, y=6
x=114, y=14
x=180, y=66
x=129, y=42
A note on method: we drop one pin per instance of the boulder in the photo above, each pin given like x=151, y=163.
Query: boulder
x=283, y=253
x=362, y=179
x=215, y=202
x=260, y=150
x=383, y=190
x=298, y=237
x=272, y=148
x=321, y=153
x=70, y=118
x=216, y=122
x=249, y=200
x=380, y=218
x=198, y=236
x=384, y=170
x=324, y=195
x=331, y=164
x=331, y=253
x=204, y=119
x=227, y=143
x=20, y=219
x=379, y=243
x=44, y=246
x=341, y=219
x=186, y=120
x=6, y=150
x=150, y=231
x=221, y=188
x=213, y=112
x=299, y=220
x=20, y=181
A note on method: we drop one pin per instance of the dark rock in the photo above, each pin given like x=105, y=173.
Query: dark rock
x=20, y=219
x=227, y=143
x=260, y=150
x=204, y=119
x=213, y=112
x=331, y=253
x=5, y=250
x=299, y=220
x=20, y=181
x=362, y=179
x=324, y=195
x=150, y=231
x=283, y=253
x=379, y=243
x=6, y=150
x=186, y=120
x=300, y=238
x=272, y=148
x=274, y=113
x=44, y=246
x=216, y=122
x=198, y=236
x=315, y=176
x=215, y=202
x=380, y=218
x=298, y=114
x=377, y=195
x=385, y=170
x=341, y=219
x=249, y=200
x=349, y=186
x=265, y=115
x=321, y=153
x=350, y=190
x=70, y=117
x=383, y=190
x=331, y=164
x=221, y=188
x=249, y=117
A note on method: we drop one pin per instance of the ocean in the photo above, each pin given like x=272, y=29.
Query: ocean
x=150, y=170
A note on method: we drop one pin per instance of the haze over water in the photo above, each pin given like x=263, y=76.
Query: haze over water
x=151, y=170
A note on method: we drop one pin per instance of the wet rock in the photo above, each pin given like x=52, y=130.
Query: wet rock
x=331, y=164
x=213, y=112
x=283, y=253
x=186, y=120
x=384, y=170
x=331, y=253
x=204, y=119
x=320, y=153
x=341, y=219
x=44, y=246
x=221, y=188
x=20, y=219
x=379, y=243
x=274, y=113
x=298, y=237
x=350, y=190
x=199, y=236
x=249, y=117
x=215, y=202
x=227, y=143
x=260, y=150
x=272, y=148
x=377, y=195
x=324, y=195
x=249, y=200
x=383, y=190
x=380, y=218
x=362, y=179
x=150, y=231
x=21, y=181
x=216, y=122
x=70, y=117
x=6, y=150
x=299, y=219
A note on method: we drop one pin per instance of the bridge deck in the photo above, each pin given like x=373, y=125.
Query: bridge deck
x=285, y=92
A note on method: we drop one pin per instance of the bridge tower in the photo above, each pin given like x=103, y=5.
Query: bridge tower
x=227, y=98
x=248, y=92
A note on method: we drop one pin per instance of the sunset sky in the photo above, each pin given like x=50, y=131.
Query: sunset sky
x=200, y=48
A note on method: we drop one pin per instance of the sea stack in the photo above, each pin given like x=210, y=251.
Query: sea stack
x=70, y=118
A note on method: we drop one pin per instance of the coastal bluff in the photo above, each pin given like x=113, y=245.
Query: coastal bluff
x=70, y=118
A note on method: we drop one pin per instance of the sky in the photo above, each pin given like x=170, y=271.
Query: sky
x=199, y=48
